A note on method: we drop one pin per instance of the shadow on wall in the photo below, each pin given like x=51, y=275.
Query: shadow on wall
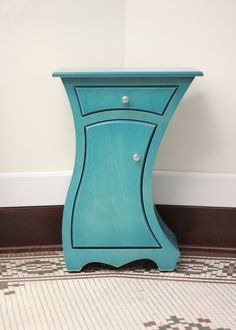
x=190, y=138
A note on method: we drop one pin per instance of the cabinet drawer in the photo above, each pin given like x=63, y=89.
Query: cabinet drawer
x=149, y=99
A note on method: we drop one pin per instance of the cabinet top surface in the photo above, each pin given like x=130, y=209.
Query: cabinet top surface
x=128, y=72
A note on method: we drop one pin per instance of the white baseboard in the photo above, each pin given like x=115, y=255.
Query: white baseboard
x=33, y=188
x=194, y=188
x=174, y=188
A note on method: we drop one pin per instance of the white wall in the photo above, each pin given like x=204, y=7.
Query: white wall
x=201, y=33
x=37, y=37
x=36, y=128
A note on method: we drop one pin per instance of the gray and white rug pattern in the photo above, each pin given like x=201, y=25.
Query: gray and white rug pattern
x=36, y=292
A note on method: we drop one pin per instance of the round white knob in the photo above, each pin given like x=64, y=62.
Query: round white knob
x=136, y=157
x=125, y=99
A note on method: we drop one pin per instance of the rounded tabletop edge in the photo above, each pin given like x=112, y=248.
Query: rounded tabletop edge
x=160, y=72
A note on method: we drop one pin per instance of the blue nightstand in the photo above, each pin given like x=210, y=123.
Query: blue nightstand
x=120, y=118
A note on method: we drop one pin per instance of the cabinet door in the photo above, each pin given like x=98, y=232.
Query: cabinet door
x=108, y=209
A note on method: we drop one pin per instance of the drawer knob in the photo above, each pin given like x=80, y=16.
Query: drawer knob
x=136, y=157
x=125, y=99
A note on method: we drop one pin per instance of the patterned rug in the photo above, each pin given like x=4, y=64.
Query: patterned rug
x=36, y=292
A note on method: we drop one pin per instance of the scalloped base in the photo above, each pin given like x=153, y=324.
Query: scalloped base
x=165, y=259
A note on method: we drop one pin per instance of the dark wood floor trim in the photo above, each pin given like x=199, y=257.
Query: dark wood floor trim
x=199, y=230
x=211, y=227
x=30, y=226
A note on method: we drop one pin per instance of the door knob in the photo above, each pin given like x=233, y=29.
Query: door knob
x=125, y=99
x=136, y=157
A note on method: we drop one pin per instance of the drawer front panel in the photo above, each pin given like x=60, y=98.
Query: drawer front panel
x=148, y=99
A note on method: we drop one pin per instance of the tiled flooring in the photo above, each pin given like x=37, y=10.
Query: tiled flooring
x=36, y=292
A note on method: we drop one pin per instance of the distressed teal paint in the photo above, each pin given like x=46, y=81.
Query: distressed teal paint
x=109, y=215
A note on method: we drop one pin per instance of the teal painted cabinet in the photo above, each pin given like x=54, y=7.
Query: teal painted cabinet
x=120, y=118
